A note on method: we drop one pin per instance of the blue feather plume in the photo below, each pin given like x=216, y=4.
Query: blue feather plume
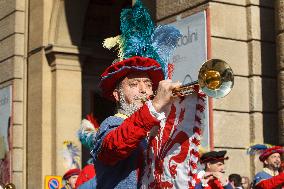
x=257, y=148
x=136, y=28
x=165, y=40
x=86, y=133
x=71, y=155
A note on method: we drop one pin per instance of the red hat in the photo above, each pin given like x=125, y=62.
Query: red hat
x=70, y=173
x=270, y=151
x=118, y=70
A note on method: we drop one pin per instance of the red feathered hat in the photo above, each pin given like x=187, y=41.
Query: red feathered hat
x=70, y=173
x=270, y=151
x=118, y=70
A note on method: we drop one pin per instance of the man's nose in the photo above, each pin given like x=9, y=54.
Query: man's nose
x=142, y=88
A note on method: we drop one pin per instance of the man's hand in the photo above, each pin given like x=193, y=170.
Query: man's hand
x=164, y=94
x=220, y=177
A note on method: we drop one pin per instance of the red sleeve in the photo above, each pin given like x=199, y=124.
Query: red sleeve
x=87, y=173
x=215, y=184
x=271, y=183
x=120, y=142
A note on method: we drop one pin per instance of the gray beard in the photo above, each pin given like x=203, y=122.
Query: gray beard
x=123, y=107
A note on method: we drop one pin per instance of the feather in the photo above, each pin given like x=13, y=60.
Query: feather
x=71, y=155
x=140, y=37
x=136, y=28
x=136, y=21
x=88, y=130
x=93, y=121
x=257, y=148
x=165, y=40
x=111, y=42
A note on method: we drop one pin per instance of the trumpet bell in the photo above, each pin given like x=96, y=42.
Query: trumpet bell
x=10, y=186
x=216, y=78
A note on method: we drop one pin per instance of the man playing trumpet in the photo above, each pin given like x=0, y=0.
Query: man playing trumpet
x=213, y=177
x=118, y=148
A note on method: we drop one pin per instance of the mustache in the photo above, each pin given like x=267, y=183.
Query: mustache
x=139, y=97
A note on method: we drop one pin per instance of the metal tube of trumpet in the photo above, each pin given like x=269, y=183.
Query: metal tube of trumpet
x=186, y=89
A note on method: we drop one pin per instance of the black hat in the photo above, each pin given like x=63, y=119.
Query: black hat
x=213, y=156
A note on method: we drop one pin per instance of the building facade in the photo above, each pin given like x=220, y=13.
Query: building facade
x=51, y=55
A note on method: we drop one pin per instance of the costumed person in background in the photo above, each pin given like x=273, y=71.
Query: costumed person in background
x=71, y=162
x=70, y=178
x=246, y=182
x=86, y=133
x=213, y=176
x=235, y=181
x=269, y=177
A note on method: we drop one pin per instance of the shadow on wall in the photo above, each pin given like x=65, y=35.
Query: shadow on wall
x=89, y=23
x=268, y=73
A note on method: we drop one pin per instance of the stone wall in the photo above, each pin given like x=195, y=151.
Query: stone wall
x=12, y=72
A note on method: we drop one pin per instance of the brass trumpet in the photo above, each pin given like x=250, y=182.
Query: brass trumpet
x=8, y=186
x=215, y=78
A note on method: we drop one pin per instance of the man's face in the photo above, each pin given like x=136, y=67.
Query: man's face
x=133, y=88
x=273, y=161
x=72, y=181
x=245, y=183
x=217, y=166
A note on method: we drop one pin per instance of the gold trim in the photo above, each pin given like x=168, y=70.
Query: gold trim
x=121, y=115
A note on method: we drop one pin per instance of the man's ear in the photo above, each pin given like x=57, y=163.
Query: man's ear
x=208, y=165
x=115, y=94
x=265, y=162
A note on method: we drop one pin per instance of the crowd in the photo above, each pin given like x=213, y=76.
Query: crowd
x=213, y=175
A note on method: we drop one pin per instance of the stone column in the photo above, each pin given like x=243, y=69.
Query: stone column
x=279, y=20
x=66, y=100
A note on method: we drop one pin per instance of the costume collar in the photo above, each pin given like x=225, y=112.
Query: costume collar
x=123, y=116
x=270, y=172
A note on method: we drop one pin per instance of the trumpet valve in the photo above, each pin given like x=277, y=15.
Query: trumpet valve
x=185, y=90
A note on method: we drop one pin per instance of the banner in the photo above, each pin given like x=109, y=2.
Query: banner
x=190, y=54
x=5, y=134
x=172, y=153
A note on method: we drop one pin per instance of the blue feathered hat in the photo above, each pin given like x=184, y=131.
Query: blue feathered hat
x=264, y=150
x=141, y=42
